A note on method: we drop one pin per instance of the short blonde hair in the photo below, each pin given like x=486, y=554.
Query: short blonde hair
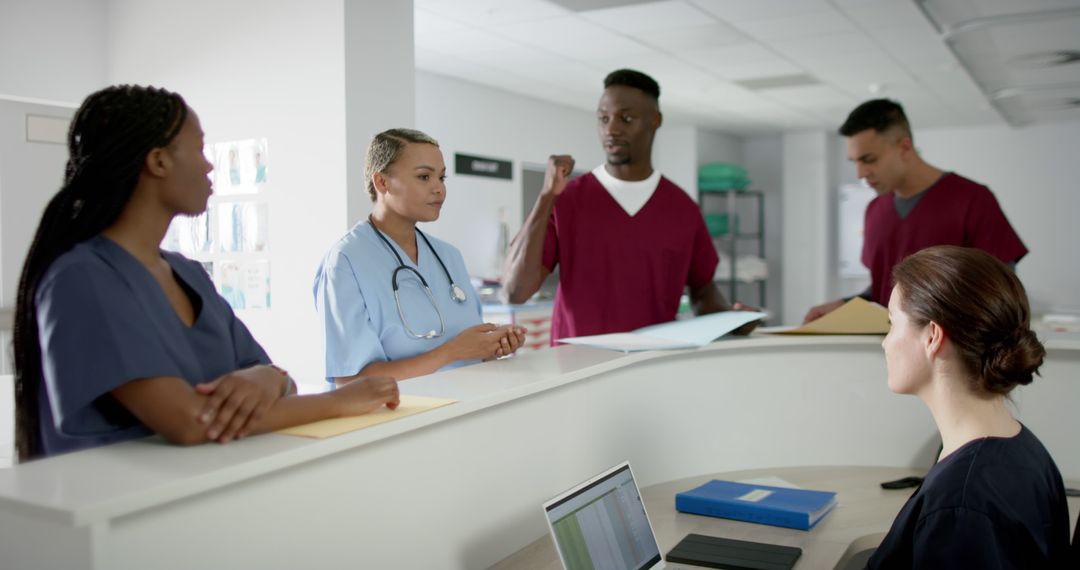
x=386, y=147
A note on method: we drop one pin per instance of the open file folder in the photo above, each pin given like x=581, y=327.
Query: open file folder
x=689, y=333
x=857, y=316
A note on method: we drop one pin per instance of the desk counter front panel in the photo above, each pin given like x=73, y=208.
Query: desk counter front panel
x=461, y=486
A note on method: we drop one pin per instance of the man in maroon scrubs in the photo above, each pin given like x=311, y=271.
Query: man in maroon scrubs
x=628, y=240
x=918, y=205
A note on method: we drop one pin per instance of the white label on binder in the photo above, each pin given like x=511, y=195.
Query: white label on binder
x=755, y=495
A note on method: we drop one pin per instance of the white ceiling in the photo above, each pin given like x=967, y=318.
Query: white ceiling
x=712, y=57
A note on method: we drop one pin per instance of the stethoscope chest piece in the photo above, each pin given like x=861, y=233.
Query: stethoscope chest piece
x=457, y=293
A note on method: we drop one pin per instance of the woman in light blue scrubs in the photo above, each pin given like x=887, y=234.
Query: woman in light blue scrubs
x=394, y=300
x=116, y=339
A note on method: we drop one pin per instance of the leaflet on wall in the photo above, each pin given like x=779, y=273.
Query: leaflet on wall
x=190, y=236
x=240, y=167
x=231, y=238
x=242, y=226
x=243, y=284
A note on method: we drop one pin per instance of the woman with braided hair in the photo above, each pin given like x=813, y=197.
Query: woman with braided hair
x=960, y=340
x=116, y=339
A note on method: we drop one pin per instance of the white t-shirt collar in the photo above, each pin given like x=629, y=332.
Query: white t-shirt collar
x=632, y=196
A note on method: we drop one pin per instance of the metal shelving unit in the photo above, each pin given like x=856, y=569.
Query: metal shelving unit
x=724, y=212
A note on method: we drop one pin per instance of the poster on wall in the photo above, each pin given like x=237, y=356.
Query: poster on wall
x=242, y=226
x=852, y=203
x=231, y=238
x=190, y=236
x=240, y=167
x=244, y=284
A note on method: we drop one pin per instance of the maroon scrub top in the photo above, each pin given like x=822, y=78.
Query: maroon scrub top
x=954, y=211
x=620, y=272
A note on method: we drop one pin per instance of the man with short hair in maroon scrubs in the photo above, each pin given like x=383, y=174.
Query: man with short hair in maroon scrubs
x=918, y=205
x=627, y=240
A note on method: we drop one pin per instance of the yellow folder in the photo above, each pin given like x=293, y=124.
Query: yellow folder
x=410, y=405
x=857, y=316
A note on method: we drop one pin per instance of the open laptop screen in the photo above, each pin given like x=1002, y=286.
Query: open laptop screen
x=601, y=524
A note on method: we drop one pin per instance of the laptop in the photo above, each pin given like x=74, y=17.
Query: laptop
x=602, y=524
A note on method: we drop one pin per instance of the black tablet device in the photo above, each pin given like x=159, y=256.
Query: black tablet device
x=716, y=552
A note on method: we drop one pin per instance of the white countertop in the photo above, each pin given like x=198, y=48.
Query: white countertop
x=96, y=485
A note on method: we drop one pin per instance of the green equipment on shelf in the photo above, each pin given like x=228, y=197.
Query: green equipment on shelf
x=722, y=177
x=717, y=224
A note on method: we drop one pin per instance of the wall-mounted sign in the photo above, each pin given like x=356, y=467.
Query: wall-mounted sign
x=482, y=166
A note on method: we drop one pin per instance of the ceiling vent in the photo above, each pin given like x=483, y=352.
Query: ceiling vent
x=586, y=5
x=1020, y=54
x=778, y=82
x=1048, y=58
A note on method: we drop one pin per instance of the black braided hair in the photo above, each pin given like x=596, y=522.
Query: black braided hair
x=110, y=137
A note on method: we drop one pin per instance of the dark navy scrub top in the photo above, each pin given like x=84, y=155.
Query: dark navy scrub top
x=103, y=321
x=997, y=502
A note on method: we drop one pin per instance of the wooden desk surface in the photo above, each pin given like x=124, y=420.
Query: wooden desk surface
x=860, y=520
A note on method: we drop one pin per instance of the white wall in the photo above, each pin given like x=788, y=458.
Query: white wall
x=763, y=158
x=473, y=119
x=808, y=228
x=1033, y=173
x=52, y=50
x=253, y=69
x=713, y=146
x=675, y=155
x=379, y=89
x=30, y=174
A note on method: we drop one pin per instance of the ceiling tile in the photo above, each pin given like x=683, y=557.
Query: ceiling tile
x=483, y=13
x=463, y=41
x=586, y=5
x=518, y=57
x=573, y=37
x=672, y=73
x=745, y=10
x=809, y=48
x=913, y=45
x=654, y=16
x=875, y=66
x=811, y=96
x=883, y=14
x=425, y=22
x=788, y=26
x=749, y=52
x=684, y=39
x=758, y=70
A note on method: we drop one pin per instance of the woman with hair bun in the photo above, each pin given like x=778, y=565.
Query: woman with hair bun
x=960, y=340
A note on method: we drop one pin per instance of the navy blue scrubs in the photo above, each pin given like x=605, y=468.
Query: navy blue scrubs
x=103, y=321
x=997, y=502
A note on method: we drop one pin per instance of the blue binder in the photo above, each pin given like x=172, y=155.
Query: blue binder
x=778, y=506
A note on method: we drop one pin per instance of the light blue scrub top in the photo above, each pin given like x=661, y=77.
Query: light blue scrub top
x=355, y=301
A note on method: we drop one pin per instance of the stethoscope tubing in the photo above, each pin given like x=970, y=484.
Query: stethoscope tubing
x=457, y=294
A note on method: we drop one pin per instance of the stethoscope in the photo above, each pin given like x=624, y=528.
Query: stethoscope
x=456, y=293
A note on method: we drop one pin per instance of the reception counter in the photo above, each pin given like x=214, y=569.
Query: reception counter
x=461, y=486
